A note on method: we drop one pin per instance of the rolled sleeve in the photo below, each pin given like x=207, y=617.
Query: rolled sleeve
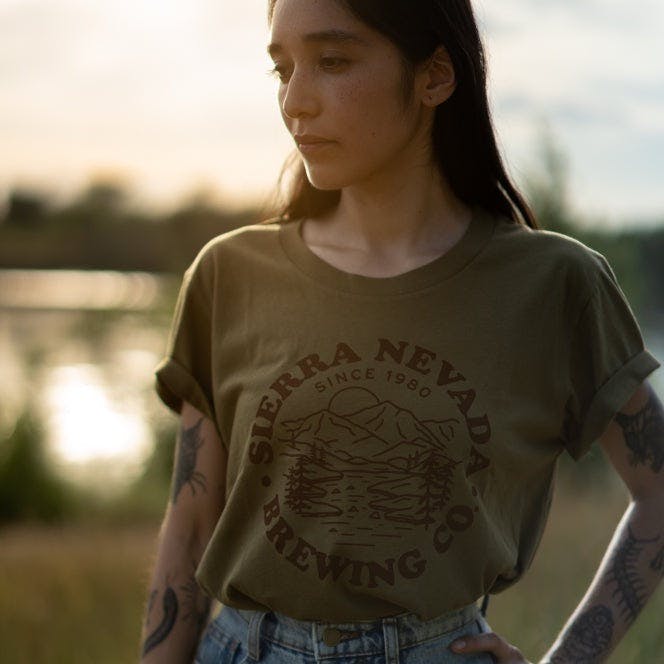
x=607, y=362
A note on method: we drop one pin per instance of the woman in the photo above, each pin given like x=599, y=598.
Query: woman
x=374, y=388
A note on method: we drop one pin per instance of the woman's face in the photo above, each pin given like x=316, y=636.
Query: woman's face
x=341, y=96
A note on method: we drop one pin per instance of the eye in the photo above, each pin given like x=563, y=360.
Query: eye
x=280, y=72
x=332, y=63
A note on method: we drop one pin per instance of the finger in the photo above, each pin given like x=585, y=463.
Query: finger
x=488, y=642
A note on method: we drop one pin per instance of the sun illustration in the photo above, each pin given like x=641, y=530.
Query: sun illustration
x=352, y=400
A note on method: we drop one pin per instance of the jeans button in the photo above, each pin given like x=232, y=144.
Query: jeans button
x=331, y=636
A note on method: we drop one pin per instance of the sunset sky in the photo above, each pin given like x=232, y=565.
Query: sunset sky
x=174, y=95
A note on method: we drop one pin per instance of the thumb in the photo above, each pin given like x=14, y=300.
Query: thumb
x=488, y=642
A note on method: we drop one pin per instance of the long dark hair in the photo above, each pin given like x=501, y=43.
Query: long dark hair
x=464, y=141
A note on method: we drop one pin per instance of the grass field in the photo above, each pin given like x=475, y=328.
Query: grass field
x=74, y=594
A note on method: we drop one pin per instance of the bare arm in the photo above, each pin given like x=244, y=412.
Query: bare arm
x=633, y=564
x=634, y=561
x=177, y=609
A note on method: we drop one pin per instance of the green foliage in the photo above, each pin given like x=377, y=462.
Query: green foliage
x=547, y=187
x=147, y=497
x=651, y=271
x=25, y=209
x=624, y=252
x=100, y=229
x=29, y=490
x=634, y=255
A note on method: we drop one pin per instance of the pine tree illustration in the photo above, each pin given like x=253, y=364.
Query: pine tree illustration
x=417, y=494
x=445, y=481
x=428, y=499
x=318, y=454
x=295, y=496
x=305, y=488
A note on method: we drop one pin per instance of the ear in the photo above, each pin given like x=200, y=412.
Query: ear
x=439, y=79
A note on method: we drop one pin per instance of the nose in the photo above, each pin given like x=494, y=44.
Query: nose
x=298, y=96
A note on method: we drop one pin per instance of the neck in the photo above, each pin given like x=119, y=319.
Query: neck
x=396, y=220
x=385, y=236
x=408, y=212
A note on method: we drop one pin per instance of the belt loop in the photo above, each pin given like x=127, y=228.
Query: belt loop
x=390, y=634
x=314, y=638
x=253, y=636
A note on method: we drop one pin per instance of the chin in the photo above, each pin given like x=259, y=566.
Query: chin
x=324, y=180
x=330, y=178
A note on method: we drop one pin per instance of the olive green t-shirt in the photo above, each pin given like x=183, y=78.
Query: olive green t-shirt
x=392, y=442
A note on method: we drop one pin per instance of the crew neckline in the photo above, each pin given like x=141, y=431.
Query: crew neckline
x=469, y=245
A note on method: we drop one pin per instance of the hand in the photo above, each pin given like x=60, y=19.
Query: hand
x=502, y=652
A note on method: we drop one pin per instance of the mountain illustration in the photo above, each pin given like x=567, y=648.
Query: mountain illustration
x=322, y=427
x=399, y=466
x=382, y=429
x=396, y=424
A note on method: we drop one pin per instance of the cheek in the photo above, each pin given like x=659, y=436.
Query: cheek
x=280, y=106
x=366, y=108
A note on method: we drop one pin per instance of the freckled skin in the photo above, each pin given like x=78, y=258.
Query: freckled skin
x=357, y=104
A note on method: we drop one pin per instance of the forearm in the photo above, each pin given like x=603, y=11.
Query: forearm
x=177, y=609
x=627, y=577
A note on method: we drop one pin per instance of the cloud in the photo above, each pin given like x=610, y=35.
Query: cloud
x=173, y=89
x=594, y=70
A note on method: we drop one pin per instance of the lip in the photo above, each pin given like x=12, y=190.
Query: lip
x=310, y=144
x=310, y=139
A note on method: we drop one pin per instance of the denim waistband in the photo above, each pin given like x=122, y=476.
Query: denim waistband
x=327, y=639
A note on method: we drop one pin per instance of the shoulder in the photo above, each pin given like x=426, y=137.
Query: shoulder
x=554, y=267
x=233, y=256
x=551, y=253
x=249, y=238
x=244, y=245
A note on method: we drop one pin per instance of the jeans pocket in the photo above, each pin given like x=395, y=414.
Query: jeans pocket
x=217, y=647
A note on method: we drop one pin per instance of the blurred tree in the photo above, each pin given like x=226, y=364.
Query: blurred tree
x=147, y=497
x=624, y=252
x=28, y=488
x=546, y=186
x=633, y=255
x=25, y=209
x=652, y=251
x=104, y=200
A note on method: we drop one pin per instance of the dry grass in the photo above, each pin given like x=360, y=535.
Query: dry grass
x=581, y=525
x=72, y=595
x=75, y=594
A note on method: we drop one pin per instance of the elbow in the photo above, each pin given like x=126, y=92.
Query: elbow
x=649, y=497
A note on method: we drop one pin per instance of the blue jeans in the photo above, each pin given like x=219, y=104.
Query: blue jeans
x=243, y=637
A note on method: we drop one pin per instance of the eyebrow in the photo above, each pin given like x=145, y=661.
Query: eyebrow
x=334, y=36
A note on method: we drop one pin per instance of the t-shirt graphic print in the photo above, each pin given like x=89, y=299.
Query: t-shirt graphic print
x=365, y=465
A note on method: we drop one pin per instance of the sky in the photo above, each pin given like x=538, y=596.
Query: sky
x=173, y=97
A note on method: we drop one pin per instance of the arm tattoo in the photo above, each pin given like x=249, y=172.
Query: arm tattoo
x=588, y=638
x=151, y=601
x=185, y=467
x=644, y=434
x=196, y=603
x=170, y=607
x=630, y=589
x=657, y=563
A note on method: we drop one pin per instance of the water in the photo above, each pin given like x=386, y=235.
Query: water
x=79, y=350
x=654, y=340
